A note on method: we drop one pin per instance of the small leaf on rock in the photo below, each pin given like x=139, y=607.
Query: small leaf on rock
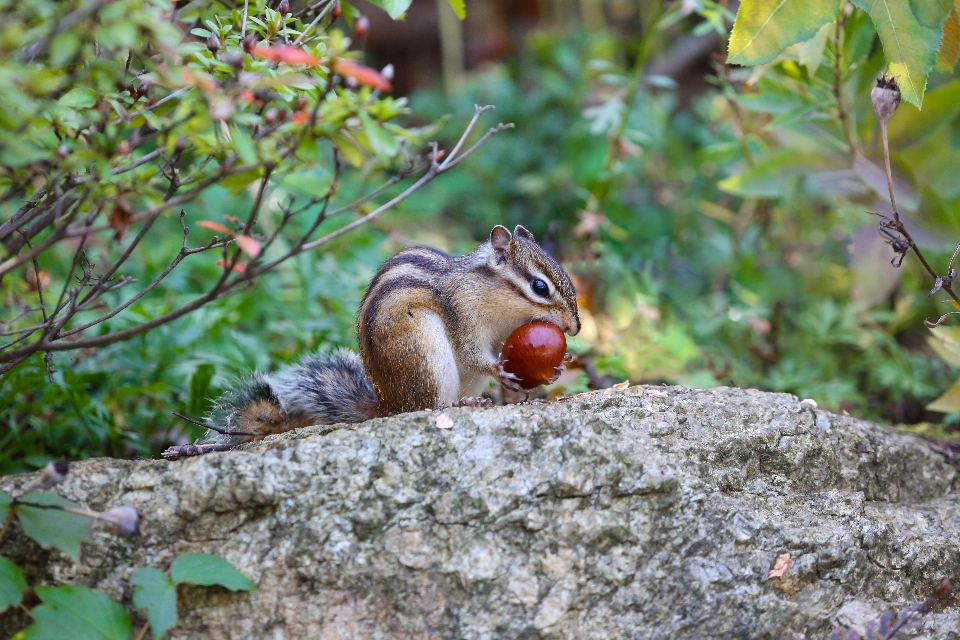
x=78, y=613
x=156, y=595
x=52, y=527
x=12, y=584
x=206, y=569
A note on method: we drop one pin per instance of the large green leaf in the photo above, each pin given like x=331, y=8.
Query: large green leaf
x=78, y=613
x=12, y=584
x=764, y=28
x=205, y=569
x=156, y=594
x=52, y=527
x=910, y=32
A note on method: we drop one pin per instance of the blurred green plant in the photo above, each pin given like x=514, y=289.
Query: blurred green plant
x=120, y=113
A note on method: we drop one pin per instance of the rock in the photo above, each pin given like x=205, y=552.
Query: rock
x=650, y=512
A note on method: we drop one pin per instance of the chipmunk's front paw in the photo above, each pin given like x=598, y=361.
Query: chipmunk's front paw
x=558, y=370
x=507, y=379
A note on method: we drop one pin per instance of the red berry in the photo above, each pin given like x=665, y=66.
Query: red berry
x=533, y=352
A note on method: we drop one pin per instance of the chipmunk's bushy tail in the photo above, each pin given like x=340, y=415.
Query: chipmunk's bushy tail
x=320, y=389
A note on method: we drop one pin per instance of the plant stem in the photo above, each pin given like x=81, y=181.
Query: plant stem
x=898, y=223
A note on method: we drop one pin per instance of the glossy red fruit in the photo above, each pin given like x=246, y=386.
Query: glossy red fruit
x=533, y=352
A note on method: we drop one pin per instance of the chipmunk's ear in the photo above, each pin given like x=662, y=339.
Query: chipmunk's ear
x=521, y=232
x=499, y=239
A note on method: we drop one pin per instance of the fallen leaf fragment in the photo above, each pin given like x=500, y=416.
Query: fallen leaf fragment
x=780, y=566
x=620, y=386
x=444, y=422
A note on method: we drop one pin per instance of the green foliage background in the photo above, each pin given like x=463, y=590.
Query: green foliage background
x=723, y=236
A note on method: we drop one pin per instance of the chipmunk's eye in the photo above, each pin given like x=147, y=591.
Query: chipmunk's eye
x=540, y=288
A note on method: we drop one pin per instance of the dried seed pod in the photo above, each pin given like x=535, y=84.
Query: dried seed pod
x=885, y=97
x=213, y=43
x=533, y=352
x=123, y=520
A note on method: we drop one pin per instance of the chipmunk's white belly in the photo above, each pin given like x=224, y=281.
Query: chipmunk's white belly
x=440, y=353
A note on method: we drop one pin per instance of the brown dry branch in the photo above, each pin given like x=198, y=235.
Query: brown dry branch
x=58, y=207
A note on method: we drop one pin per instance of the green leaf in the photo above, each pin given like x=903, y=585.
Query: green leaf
x=12, y=584
x=199, y=387
x=764, y=28
x=205, y=569
x=770, y=177
x=156, y=594
x=910, y=34
x=460, y=8
x=4, y=506
x=945, y=341
x=950, y=45
x=78, y=613
x=53, y=527
x=395, y=8
x=910, y=126
x=244, y=146
x=381, y=142
x=948, y=402
x=348, y=149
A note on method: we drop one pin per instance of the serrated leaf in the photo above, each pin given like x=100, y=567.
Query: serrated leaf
x=949, y=51
x=459, y=7
x=78, y=613
x=12, y=584
x=156, y=595
x=53, y=527
x=948, y=402
x=910, y=34
x=205, y=569
x=764, y=28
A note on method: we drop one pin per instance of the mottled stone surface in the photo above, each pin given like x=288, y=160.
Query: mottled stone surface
x=645, y=513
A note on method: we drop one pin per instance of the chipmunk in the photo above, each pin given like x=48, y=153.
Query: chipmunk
x=430, y=330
